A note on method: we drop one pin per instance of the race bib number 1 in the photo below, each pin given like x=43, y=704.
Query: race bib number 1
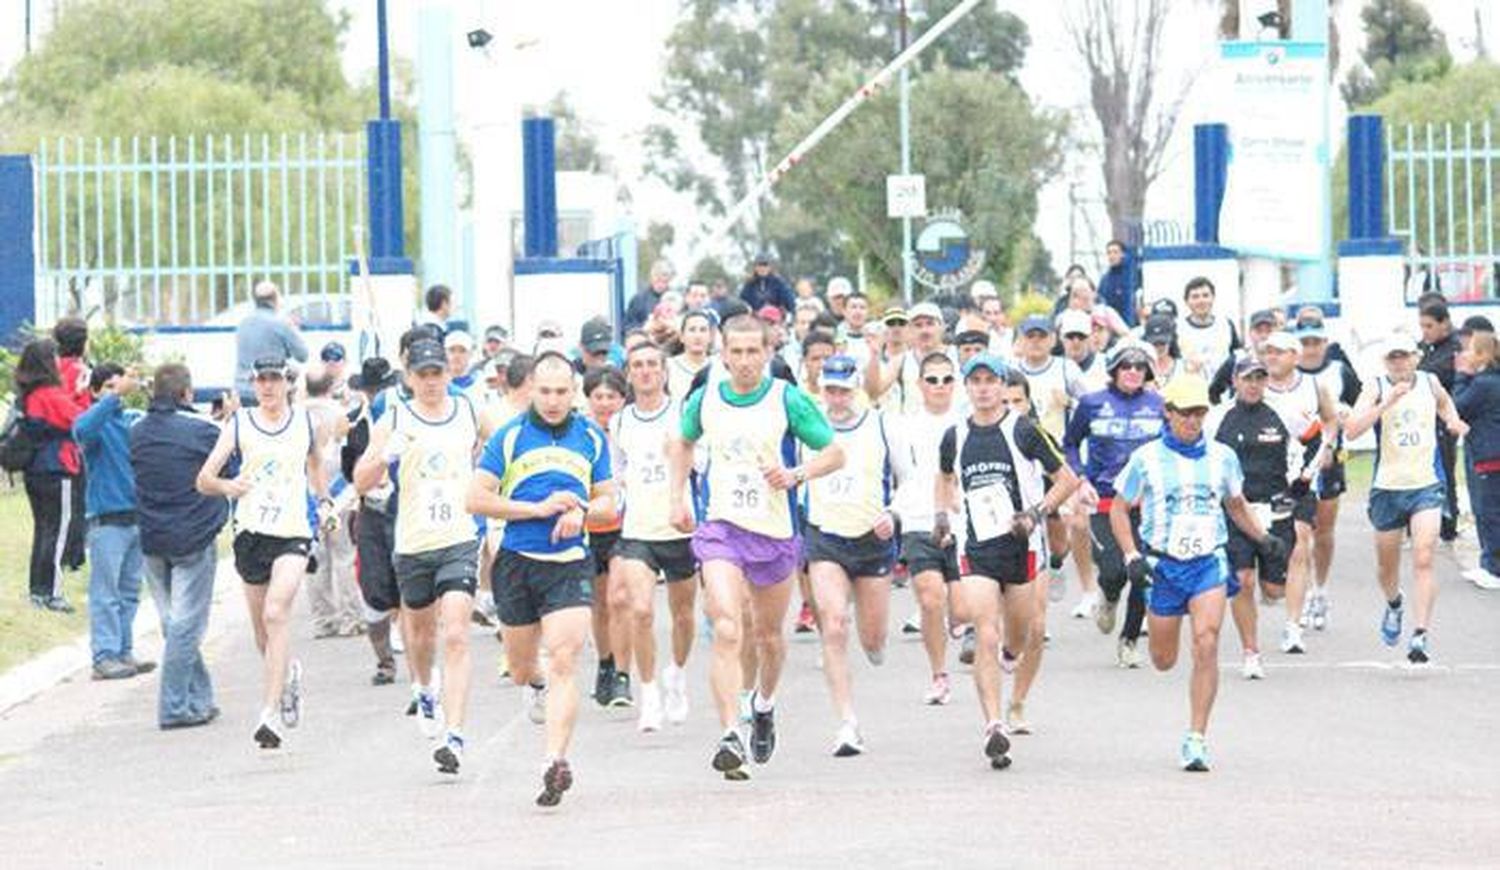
x=990, y=512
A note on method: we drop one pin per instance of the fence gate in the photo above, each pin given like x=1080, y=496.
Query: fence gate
x=176, y=231
x=1441, y=191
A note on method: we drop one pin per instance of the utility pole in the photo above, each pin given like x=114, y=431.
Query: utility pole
x=905, y=161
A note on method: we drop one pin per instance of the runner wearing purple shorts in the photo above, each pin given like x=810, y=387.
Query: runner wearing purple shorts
x=748, y=545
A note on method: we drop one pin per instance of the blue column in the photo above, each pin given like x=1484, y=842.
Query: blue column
x=383, y=192
x=17, y=256
x=1210, y=173
x=540, y=159
x=1366, y=177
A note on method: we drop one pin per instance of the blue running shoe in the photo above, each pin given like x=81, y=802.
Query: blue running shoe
x=1390, y=625
x=1194, y=753
x=1416, y=649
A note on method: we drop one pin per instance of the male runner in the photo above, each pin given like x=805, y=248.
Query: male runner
x=1183, y=485
x=1337, y=378
x=649, y=545
x=850, y=544
x=278, y=452
x=426, y=446
x=604, y=388
x=1206, y=339
x=1311, y=418
x=1406, y=493
x=996, y=459
x=545, y=473
x=748, y=542
x=932, y=568
x=902, y=372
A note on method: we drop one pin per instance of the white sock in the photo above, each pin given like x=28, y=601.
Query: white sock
x=761, y=704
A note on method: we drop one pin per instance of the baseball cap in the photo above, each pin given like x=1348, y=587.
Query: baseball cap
x=426, y=355
x=1476, y=323
x=1263, y=317
x=990, y=361
x=596, y=335
x=332, y=352
x=1398, y=344
x=1186, y=391
x=983, y=289
x=1036, y=323
x=459, y=338
x=972, y=336
x=1129, y=351
x=1164, y=306
x=1311, y=329
x=1159, y=329
x=1248, y=364
x=1075, y=322
x=769, y=313
x=1283, y=340
x=271, y=365
x=549, y=329
x=763, y=258
x=1309, y=315
x=840, y=370
x=496, y=333
x=839, y=286
x=894, y=316
x=926, y=309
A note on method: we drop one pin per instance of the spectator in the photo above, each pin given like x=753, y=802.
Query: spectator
x=765, y=287
x=696, y=298
x=438, y=303
x=72, y=337
x=114, y=540
x=1439, y=352
x=263, y=333
x=52, y=478
x=805, y=288
x=177, y=531
x=460, y=347
x=1477, y=397
x=718, y=295
x=1118, y=284
x=336, y=365
x=645, y=301
x=332, y=592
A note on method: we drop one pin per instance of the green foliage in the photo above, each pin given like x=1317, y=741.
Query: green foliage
x=1401, y=45
x=577, y=144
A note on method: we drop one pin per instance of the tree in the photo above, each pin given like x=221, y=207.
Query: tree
x=577, y=144
x=1122, y=51
x=1401, y=45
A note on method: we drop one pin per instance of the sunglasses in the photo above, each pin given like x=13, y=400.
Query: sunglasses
x=1076, y=336
x=938, y=380
x=270, y=376
x=1133, y=366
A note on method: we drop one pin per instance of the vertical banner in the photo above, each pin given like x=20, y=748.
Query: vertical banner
x=1276, y=200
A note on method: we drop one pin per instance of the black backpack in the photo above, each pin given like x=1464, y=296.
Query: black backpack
x=19, y=441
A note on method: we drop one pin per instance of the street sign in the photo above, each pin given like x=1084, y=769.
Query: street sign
x=906, y=196
x=946, y=258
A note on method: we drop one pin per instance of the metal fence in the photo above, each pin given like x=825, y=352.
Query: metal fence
x=176, y=231
x=1440, y=191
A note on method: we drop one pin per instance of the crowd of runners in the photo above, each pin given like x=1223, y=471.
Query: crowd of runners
x=782, y=451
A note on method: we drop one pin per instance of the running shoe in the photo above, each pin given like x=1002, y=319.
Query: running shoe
x=762, y=733
x=1318, y=614
x=1127, y=654
x=745, y=706
x=651, y=708
x=1085, y=606
x=1252, y=669
x=620, y=693
x=1104, y=614
x=1194, y=753
x=556, y=779
x=1008, y=661
x=384, y=675
x=429, y=715
x=604, y=683
x=966, y=648
x=291, y=695
x=848, y=743
x=1015, y=718
x=675, y=679
x=729, y=758
x=875, y=657
x=1416, y=648
x=503, y=665
x=534, y=699
x=997, y=746
x=1390, y=624
x=1304, y=619
x=267, y=732
x=913, y=624
x=1057, y=585
x=449, y=753
x=939, y=692
x=805, y=622
x=1291, y=639
x=1486, y=580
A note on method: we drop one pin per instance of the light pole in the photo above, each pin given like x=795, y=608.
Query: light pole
x=905, y=162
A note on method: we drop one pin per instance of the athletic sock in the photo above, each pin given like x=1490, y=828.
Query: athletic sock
x=538, y=684
x=1395, y=603
x=1419, y=632
x=761, y=704
x=1056, y=561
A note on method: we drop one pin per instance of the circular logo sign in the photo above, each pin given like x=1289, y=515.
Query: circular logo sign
x=946, y=258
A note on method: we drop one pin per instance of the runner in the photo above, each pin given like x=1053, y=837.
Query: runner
x=924, y=335
x=605, y=390
x=1182, y=486
x=1207, y=340
x=1311, y=418
x=748, y=542
x=698, y=328
x=1077, y=331
x=1110, y=424
x=933, y=569
x=1259, y=439
x=278, y=468
x=1406, y=492
x=850, y=541
x=649, y=546
x=996, y=460
x=545, y=473
x=426, y=446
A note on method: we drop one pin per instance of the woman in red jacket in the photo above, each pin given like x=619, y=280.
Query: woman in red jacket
x=51, y=488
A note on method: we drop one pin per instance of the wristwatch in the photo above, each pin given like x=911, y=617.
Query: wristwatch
x=800, y=474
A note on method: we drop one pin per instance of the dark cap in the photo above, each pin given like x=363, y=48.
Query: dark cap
x=426, y=354
x=1266, y=317
x=496, y=333
x=270, y=365
x=972, y=336
x=596, y=336
x=1159, y=329
x=1248, y=364
x=1476, y=323
x=374, y=374
x=763, y=259
x=1164, y=306
x=332, y=352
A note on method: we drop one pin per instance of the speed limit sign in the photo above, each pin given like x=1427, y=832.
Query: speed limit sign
x=906, y=196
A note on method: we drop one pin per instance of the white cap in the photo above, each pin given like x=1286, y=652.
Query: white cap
x=1399, y=343
x=925, y=309
x=1283, y=340
x=1072, y=320
x=839, y=286
x=983, y=289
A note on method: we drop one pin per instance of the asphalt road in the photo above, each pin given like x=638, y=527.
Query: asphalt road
x=1342, y=757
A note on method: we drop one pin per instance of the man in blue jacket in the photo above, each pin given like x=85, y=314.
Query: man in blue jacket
x=178, y=527
x=1118, y=284
x=765, y=287
x=114, y=541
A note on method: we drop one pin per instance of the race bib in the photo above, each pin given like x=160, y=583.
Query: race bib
x=1192, y=535
x=651, y=471
x=843, y=486
x=440, y=503
x=990, y=512
x=749, y=496
x=1405, y=434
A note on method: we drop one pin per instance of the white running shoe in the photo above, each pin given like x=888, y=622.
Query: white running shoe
x=939, y=692
x=1104, y=614
x=1318, y=615
x=675, y=682
x=1085, y=606
x=913, y=624
x=848, y=742
x=1127, y=655
x=1487, y=581
x=651, y=708
x=876, y=657
x=534, y=699
x=1291, y=639
x=291, y=695
x=1015, y=718
x=1252, y=669
x=429, y=714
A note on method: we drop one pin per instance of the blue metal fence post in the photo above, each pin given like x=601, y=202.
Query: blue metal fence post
x=17, y=254
x=383, y=168
x=540, y=159
x=1210, y=173
x=1366, y=177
